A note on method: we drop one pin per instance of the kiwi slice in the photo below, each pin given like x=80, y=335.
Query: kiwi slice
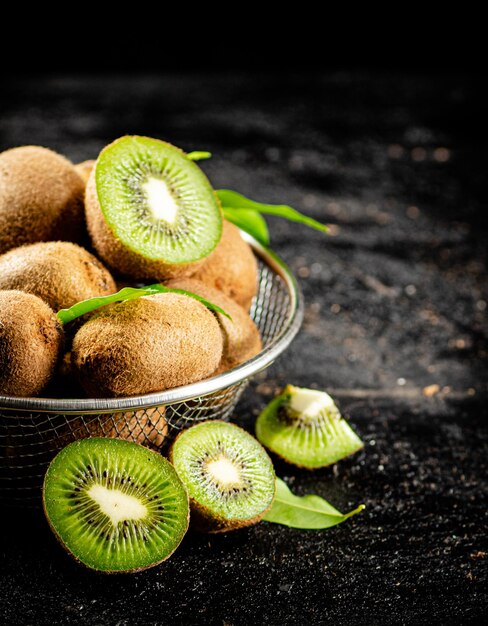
x=305, y=428
x=114, y=505
x=156, y=201
x=229, y=476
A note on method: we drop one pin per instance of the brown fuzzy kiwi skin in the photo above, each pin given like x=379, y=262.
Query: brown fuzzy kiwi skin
x=31, y=341
x=117, y=256
x=59, y=272
x=41, y=198
x=204, y=520
x=147, y=345
x=131, y=571
x=231, y=267
x=84, y=169
x=240, y=334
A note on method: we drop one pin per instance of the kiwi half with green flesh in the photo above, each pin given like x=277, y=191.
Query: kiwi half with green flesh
x=151, y=212
x=31, y=342
x=41, y=198
x=232, y=267
x=84, y=169
x=240, y=333
x=304, y=427
x=145, y=345
x=114, y=505
x=228, y=475
x=59, y=272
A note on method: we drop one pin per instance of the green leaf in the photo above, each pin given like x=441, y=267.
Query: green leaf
x=198, y=155
x=308, y=512
x=128, y=293
x=234, y=200
x=249, y=221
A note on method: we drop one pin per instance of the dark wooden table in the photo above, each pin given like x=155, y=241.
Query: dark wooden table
x=395, y=329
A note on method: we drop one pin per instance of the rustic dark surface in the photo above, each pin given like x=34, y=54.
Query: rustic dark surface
x=396, y=302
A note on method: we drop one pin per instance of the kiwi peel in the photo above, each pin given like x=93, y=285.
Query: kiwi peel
x=228, y=475
x=305, y=428
x=59, y=272
x=114, y=505
x=31, y=343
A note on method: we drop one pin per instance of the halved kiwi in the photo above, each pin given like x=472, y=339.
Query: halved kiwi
x=151, y=211
x=114, y=505
x=305, y=428
x=229, y=476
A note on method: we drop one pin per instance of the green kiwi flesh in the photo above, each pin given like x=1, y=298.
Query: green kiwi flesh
x=156, y=201
x=304, y=427
x=228, y=475
x=114, y=505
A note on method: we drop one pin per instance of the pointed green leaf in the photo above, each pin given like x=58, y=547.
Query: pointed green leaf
x=250, y=221
x=307, y=512
x=128, y=293
x=234, y=200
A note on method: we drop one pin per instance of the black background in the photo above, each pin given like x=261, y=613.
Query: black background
x=396, y=295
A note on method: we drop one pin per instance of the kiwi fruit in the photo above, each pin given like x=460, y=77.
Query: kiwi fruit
x=240, y=333
x=151, y=212
x=231, y=267
x=84, y=169
x=304, y=427
x=114, y=505
x=59, y=272
x=228, y=475
x=146, y=345
x=41, y=197
x=31, y=342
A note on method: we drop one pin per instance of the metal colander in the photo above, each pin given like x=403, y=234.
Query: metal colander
x=33, y=430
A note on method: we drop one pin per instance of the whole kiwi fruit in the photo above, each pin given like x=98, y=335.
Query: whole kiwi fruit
x=146, y=345
x=41, y=197
x=151, y=212
x=59, y=272
x=240, y=333
x=231, y=267
x=31, y=341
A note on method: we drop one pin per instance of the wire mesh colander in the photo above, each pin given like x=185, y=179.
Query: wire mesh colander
x=33, y=430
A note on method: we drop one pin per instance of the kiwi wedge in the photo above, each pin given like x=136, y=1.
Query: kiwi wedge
x=59, y=272
x=232, y=267
x=228, y=475
x=151, y=212
x=114, y=505
x=240, y=334
x=304, y=427
x=31, y=343
x=41, y=197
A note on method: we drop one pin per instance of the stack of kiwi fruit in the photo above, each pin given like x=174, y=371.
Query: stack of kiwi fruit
x=142, y=212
